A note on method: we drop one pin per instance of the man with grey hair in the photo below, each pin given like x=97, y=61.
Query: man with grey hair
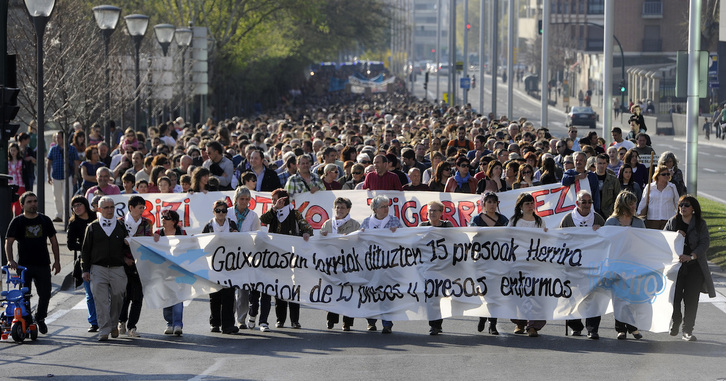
x=104, y=187
x=103, y=255
x=584, y=217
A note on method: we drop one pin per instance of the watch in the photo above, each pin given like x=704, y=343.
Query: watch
x=693, y=258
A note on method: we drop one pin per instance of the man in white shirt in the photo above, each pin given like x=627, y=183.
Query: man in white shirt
x=618, y=140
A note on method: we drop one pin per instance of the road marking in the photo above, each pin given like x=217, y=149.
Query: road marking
x=710, y=197
x=709, y=170
x=55, y=316
x=721, y=156
x=720, y=305
x=217, y=364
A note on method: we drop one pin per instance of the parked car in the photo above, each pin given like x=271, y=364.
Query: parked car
x=581, y=116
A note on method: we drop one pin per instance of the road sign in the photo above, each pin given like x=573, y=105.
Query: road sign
x=713, y=64
x=465, y=83
x=713, y=85
x=445, y=97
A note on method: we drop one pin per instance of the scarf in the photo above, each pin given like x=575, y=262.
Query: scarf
x=461, y=180
x=283, y=212
x=131, y=225
x=240, y=216
x=335, y=223
x=220, y=228
x=375, y=223
x=107, y=224
x=583, y=221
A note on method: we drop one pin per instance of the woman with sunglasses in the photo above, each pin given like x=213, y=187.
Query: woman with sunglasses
x=693, y=275
x=357, y=174
x=462, y=181
x=624, y=215
x=81, y=217
x=221, y=303
x=283, y=218
x=330, y=176
x=489, y=217
x=441, y=176
x=525, y=177
x=660, y=200
x=525, y=217
x=175, y=313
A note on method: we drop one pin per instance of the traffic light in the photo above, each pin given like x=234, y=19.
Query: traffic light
x=426, y=77
x=10, y=108
x=426, y=85
x=468, y=27
x=622, y=87
x=540, y=29
x=473, y=81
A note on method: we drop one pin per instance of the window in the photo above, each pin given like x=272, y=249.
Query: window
x=595, y=7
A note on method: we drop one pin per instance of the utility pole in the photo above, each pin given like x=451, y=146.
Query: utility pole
x=495, y=54
x=438, y=49
x=545, y=56
x=510, y=61
x=607, y=87
x=694, y=44
x=481, y=57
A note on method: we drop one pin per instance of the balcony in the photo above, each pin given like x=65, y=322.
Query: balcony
x=652, y=45
x=652, y=9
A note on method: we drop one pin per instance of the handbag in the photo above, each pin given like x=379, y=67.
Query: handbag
x=77, y=271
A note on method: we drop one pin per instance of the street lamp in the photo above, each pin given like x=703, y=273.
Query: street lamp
x=183, y=37
x=107, y=17
x=164, y=36
x=136, y=26
x=39, y=12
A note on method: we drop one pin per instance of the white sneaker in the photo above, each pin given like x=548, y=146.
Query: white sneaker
x=169, y=330
x=122, y=327
x=132, y=333
x=177, y=330
x=264, y=327
x=251, y=322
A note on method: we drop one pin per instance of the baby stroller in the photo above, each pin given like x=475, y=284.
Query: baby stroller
x=16, y=320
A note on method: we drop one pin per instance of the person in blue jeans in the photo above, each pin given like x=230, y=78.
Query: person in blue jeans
x=175, y=313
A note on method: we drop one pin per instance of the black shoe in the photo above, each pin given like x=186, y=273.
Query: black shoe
x=279, y=325
x=42, y=328
x=215, y=329
x=593, y=336
x=576, y=333
x=295, y=325
x=331, y=325
x=386, y=330
x=493, y=329
x=93, y=328
x=372, y=327
x=230, y=330
x=674, y=329
x=434, y=331
x=243, y=326
x=481, y=325
x=688, y=337
x=637, y=335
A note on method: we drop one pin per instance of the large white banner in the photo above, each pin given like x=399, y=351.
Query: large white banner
x=430, y=273
x=552, y=202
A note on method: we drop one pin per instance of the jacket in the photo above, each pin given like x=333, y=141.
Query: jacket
x=698, y=240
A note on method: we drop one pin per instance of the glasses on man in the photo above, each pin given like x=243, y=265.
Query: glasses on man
x=220, y=210
x=586, y=202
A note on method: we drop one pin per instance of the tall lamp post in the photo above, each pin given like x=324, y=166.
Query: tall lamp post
x=136, y=26
x=164, y=35
x=183, y=37
x=39, y=12
x=107, y=17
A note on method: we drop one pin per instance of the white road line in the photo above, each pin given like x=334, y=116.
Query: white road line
x=55, y=316
x=721, y=156
x=217, y=364
x=720, y=305
x=709, y=170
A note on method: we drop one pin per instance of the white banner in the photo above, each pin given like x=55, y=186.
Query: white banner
x=552, y=202
x=430, y=273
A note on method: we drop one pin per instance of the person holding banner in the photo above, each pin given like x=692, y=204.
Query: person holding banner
x=380, y=219
x=488, y=218
x=221, y=303
x=584, y=217
x=137, y=226
x=247, y=221
x=580, y=172
x=381, y=178
x=341, y=223
x=660, y=199
x=175, y=313
x=525, y=217
x=282, y=218
x=693, y=275
x=624, y=215
x=435, y=210
x=304, y=180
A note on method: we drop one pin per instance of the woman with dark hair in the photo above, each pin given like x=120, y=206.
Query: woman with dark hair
x=462, y=181
x=175, y=313
x=625, y=177
x=624, y=215
x=79, y=143
x=249, y=179
x=156, y=173
x=438, y=182
x=221, y=303
x=89, y=168
x=200, y=180
x=428, y=174
x=493, y=180
x=282, y=218
x=549, y=171
x=640, y=171
x=15, y=170
x=510, y=174
x=341, y=223
x=489, y=217
x=693, y=275
x=525, y=217
x=81, y=217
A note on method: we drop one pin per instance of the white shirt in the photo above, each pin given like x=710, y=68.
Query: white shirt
x=663, y=204
x=251, y=223
x=527, y=224
x=625, y=143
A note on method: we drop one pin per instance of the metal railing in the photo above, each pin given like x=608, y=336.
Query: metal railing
x=653, y=9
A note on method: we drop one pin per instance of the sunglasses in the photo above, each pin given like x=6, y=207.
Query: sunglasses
x=526, y=172
x=220, y=210
x=684, y=205
x=165, y=217
x=357, y=173
x=586, y=202
x=665, y=174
